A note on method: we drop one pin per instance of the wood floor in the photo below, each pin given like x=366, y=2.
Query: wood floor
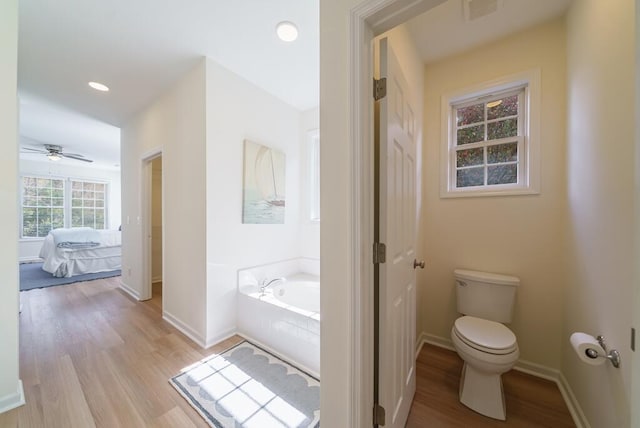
x=531, y=401
x=90, y=356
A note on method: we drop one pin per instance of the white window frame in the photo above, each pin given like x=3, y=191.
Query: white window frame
x=528, y=143
x=67, y=200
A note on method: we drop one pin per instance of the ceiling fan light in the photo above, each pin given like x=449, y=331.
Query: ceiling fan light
x=54, y=157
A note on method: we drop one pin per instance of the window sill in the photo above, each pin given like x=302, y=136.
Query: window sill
x=487, y=193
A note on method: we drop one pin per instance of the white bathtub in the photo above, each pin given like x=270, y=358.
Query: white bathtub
x=285, y=319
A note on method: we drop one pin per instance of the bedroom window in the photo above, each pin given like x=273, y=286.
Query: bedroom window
x=88, y=204
x=49, y=203
x=42, y=206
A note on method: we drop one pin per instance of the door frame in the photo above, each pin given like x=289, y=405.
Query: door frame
x=146, y=289
x=366, y=21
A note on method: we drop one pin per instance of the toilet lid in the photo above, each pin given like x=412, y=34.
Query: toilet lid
x=485, y=335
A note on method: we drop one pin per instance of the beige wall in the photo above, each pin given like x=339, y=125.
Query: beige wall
x=515, y=235
x=600, y=163
x=10, y=395
x=175, y=123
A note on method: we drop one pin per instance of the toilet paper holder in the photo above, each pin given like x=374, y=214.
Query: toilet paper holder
x=613, y=355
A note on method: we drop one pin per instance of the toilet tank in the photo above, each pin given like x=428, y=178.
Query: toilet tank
x=486, y=295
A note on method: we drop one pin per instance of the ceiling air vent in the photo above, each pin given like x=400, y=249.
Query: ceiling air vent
x=474, y=9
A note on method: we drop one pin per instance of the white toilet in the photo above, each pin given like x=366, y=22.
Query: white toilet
x=487, y=346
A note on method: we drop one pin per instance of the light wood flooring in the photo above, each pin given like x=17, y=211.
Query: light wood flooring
x=531, y=401
x=92, y=356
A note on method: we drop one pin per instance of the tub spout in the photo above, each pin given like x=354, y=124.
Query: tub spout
x=266, y=283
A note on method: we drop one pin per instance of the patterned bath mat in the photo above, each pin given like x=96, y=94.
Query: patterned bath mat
x=246, y=387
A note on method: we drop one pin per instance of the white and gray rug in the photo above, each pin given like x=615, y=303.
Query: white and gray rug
x=246, y=387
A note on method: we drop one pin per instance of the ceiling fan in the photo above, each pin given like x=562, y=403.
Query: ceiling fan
x=55, y=153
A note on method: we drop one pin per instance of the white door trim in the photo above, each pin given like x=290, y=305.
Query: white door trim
x=367, y=20
x=145, y=209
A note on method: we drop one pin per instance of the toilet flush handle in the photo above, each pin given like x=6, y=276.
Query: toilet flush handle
x=417, y=264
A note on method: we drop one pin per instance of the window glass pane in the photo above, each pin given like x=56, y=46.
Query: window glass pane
x=502, y=174
x=29, y=181
x=470, y=177
x=507, y=106
x=99, y=203
x=30, y=191
x=57, y=217
x=44, y=192
x=470, y=157
x=88, y=203
x=43, y=182
x=76, y=194
x=89, y=217
x=76, y=217
x=87, y=194
x=502, y=129
x=29, y=201
x=99, y=219
x=58, y=184
x=502, y=153
x=88, y=186
x=43, y=201
x=76, y=185
x=57, y=193
x=472, y=134
x=57, y=202
x=469, y=115
x=99, y=187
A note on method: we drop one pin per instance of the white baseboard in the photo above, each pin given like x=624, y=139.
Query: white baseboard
x=156, y=279
x=528, y=367
x=577, y=414
x=13, y=400
x=184, y=329
x=219, y=338
x=30, y=260
x=130, y=291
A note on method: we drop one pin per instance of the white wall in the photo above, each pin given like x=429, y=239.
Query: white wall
x=309, y=238
x=335, y=202
x=10, y=385
x=238, y=110
x=515, y=235
x=601, y=127
x=30, y=248
x=176, y=123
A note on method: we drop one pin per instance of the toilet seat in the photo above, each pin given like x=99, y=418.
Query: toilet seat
x=485, y=336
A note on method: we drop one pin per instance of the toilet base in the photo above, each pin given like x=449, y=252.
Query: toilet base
x=482, y=392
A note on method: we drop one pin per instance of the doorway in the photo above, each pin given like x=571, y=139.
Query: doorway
x=153, y=228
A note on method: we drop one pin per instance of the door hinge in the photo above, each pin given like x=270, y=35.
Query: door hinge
x=379, y=88
x=379, y=253
x=378, y=415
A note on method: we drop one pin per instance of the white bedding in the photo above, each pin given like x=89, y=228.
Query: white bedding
x=66, y=262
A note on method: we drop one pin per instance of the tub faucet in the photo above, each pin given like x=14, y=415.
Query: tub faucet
x=266, y=283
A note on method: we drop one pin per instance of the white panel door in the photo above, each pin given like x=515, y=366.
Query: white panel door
x=397, y=230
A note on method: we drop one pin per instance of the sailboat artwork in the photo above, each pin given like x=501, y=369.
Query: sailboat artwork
x=264, y=184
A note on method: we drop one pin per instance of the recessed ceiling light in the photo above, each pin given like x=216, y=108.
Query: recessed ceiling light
x=99, y=86
x=287, y=31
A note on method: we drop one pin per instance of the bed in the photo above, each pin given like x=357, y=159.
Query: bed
x=80, y=250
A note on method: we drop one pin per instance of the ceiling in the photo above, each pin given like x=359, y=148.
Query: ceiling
x=140, y=48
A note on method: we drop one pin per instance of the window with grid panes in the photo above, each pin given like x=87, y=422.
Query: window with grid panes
x=490, y=146
x=42, y=206
x=88, y=207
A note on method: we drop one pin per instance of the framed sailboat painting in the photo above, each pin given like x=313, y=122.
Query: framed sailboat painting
x=264, y=184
